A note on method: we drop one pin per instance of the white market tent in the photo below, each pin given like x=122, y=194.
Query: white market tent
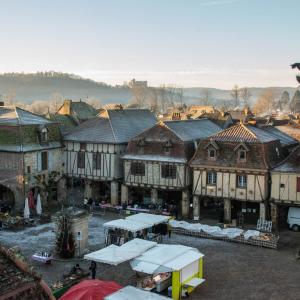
x=126, y=225
x=150, y=219
x=115, y=255
x=132, y=293
x=165, y=258
x=137, y=222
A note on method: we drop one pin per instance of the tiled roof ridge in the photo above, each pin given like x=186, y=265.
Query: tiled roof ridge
x=17, y=114
x=251, y=132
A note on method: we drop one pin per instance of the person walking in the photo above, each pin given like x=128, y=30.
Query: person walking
x=93, y=268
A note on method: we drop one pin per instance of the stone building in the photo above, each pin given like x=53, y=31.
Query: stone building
x=231, y=168
x=93, y=150
x=285, y=191
x=30, y=156
x=156, y=167
x=79, y=111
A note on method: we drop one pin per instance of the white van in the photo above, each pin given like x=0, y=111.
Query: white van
x=294, y=218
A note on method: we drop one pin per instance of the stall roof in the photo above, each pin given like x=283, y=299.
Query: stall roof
x=125, y=224
x=130, y=292
x=165, y=258
x=115, y=255
x=148, y=218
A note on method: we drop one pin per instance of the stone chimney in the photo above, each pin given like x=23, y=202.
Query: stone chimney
x=66, y=108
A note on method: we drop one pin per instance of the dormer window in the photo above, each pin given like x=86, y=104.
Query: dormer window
x=212, y=153
x=167, y=147
x=241, y=152
x=44, y=135
x=141, y=145
x=242, y=155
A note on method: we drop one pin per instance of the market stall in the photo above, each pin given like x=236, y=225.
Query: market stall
x=130, y=292
x=177, y=268
x=142, y=225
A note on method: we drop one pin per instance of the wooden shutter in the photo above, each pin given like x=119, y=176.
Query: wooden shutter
x=298, y=184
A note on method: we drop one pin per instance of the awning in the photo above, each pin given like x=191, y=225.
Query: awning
x=132, y=293
x=150, y=219
x=114, y=255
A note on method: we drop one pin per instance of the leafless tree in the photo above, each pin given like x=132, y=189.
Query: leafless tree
x=235, y=95
x=9, y=97
x=139, y=95
x=55, y=102
x=245, y=95
x=93, y=102
x=205, y=97
x=266, y=102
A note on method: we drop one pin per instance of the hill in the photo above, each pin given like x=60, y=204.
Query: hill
x=42, y=86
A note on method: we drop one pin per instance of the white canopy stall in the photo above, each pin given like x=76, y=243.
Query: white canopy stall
x=169, y=265
x=133, y=293
x=139, y=225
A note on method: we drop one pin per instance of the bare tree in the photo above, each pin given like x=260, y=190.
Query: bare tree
x=266, y=102
x=180, y=97
x=139, y=95
x=93, y=102
x=245, y=95
x=235, y=95
x=55, y=102
x=9, y=97
x=204, y=97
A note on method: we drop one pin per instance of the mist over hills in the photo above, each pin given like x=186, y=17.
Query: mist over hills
x=30, y=87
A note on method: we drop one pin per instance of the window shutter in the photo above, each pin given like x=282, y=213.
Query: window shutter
x=298, y=184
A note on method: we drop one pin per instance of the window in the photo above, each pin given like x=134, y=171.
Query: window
x=28, y=169
x=298, y=184
x=168, y=171
x=137, y=168
x=282, y=185
x=167, y=147
x=241, y=181
x=97, y=161
x=44, y=156
x=44, y=135
x=211, y=178
x=242, y=155
x=81, y=160
x=82, y=146
x=212, y=153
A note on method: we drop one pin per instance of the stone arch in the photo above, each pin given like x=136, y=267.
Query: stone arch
x=7, y=197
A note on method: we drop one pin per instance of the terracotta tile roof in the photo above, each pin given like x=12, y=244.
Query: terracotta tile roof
x=18, y=282
x=245, y=133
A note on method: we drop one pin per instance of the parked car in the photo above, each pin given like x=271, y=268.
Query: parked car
x=294, y=218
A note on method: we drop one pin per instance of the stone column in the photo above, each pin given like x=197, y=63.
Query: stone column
x=196, y=208
x=88, y=192
x=154, y=196
x=79, y=227
x=124, y=194
x=114, y=189
x=227, y=211
x=274, y=216
x=185, y=204
x=62, y=191
x=262, y=211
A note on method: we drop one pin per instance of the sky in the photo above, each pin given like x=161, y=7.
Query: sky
x=208, y=43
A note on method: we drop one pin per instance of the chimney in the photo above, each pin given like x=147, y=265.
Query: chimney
x=67, y=107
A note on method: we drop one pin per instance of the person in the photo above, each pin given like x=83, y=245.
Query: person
x=169, y=230
x=93, y=268
x=85, y=202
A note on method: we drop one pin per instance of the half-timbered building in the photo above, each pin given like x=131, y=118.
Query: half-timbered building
x=156, y=170
x=232, y=168
x=93, y=150
x=285, y=191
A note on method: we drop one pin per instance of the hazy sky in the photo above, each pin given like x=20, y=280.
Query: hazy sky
x=214, y=43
